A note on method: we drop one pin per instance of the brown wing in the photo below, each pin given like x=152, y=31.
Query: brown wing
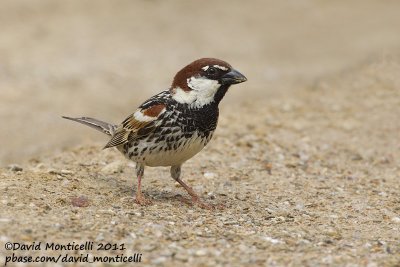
x=140, y=123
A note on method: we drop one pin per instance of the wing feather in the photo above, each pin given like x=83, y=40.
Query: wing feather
x=140, y=123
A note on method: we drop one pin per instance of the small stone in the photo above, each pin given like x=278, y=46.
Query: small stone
x=303, y=156
x=158, y=233
x=53, y=171
x=133, y=235
x=333, y=233
x=230, y=222
x=27, y=238
x=181, y=257
x=149, y=247
x=396, y=219
x=107, y=212
x=241, y=197
x=209, y=175
x=81, y=201
x=100, y=237
x=166, y=253
x=382, y=194
x=15, y=168
x=299, y=206
x=65, y=172
x=58, y=226
x=271, y=240
x=268, y=167
x=243, y=247
x=200, y=252
x=114, y=167
x=356, y=157
x=159, y=260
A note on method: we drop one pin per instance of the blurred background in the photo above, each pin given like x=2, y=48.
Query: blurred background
x=103, y=58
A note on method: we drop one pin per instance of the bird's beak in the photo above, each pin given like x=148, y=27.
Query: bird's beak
x=233, y=77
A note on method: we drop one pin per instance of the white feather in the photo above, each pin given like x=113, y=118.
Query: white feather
x=183, y=96
x=204, y=89
x=139, y=116
x=221, y=67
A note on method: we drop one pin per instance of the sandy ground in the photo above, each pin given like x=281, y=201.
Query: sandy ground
x=305, y=157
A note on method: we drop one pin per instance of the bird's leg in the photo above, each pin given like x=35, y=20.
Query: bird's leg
x=140, y=199
x=176, y=173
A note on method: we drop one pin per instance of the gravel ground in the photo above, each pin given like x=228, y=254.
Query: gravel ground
x=305, y=158
x=310, y=178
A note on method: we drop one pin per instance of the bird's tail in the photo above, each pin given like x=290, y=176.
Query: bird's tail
x=101, y=126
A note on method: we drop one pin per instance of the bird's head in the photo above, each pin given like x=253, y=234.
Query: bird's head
x=204, y=81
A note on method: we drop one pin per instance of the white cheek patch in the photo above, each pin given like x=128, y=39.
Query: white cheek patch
x=204, y=90
x=205, y=85
x=202, y=93
x=139, y=116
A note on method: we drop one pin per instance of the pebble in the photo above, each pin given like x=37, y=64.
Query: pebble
x=200, y=252
x=114, y=167
x=181, y=257
x=81, y=201
x=396, y=219
x=60, y=173
x=58, y=226
x=53, y=171
x=100, y=237
x=159, y=260
x=133, y=235
x=15, y=168
x=231, y=222
x=166, y=253
x=241, y=197
x=382, y=194
x=271, y=240
x=209, y=175
x=107, y=212
x=65, y=172
x=149, y=247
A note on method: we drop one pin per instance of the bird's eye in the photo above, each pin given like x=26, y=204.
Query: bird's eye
x=211, y=71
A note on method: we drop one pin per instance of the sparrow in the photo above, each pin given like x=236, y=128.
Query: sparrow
x=174, y=125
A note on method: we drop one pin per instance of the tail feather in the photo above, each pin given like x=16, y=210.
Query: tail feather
x=101, y=126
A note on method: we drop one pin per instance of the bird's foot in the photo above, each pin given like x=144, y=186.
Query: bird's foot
x=141, y=200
